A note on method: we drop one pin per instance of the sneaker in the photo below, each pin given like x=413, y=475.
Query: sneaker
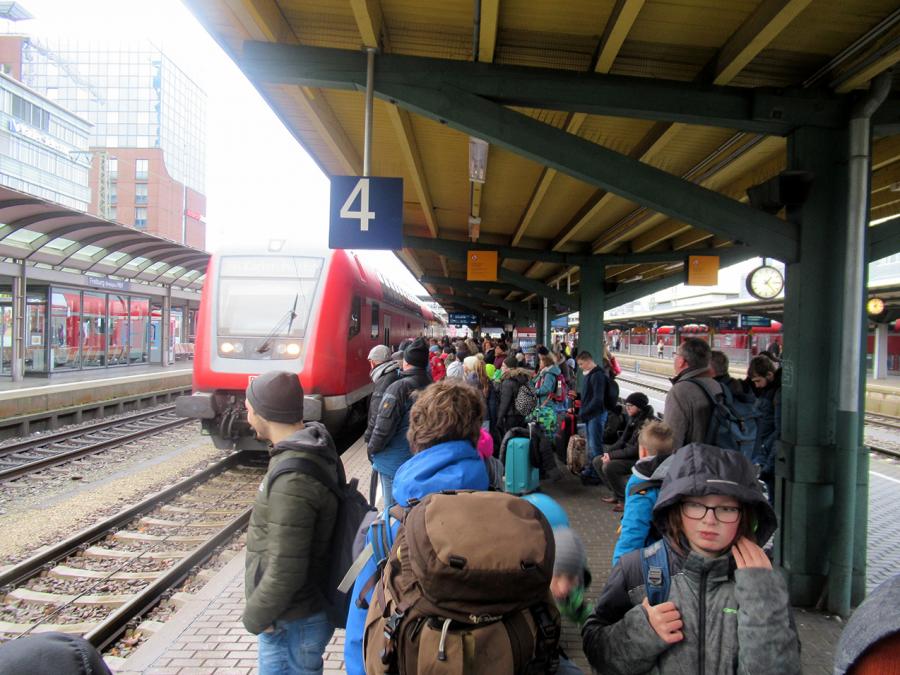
x=618, y=508
x=609, y=500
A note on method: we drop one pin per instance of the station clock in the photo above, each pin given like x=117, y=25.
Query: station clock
x=765, y=282
x=875, y=306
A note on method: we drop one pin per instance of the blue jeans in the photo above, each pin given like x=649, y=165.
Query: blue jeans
x=295, y=647
x=387, y=489
x=595, y=428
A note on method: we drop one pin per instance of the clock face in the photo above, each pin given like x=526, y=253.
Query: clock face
x=765, y=282
x=875, y=306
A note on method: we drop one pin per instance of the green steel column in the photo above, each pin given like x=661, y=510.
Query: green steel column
x=590, y=311
x=821, y=545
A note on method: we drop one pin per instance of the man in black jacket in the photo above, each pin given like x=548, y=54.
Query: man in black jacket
x=615, y=464
x=593, y=411
x=290, y=530
x=387, y=446
x=384, y=372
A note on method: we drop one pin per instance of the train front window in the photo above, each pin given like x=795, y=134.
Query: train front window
x=258, y=294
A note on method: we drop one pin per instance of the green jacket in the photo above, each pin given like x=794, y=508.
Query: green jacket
x=289, y=536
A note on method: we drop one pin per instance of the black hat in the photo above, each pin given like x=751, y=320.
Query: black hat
x=277, y=396
x=543, y=351
x=639, y=399
x=48, y=653
x=416, y=353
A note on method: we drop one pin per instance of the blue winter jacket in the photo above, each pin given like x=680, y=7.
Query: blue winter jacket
x=638, y=514
x=454, y=465
x=592, y=391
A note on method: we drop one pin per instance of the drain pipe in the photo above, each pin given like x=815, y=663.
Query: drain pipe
x=840, y=575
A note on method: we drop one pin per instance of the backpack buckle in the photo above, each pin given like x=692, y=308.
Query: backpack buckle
x=655, y=576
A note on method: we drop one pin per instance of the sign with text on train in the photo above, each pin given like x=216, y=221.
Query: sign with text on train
x=366, y=213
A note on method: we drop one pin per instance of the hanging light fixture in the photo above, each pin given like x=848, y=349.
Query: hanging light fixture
x=478, y=154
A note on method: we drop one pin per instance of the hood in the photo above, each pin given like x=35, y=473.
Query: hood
x=652, y=468
x=521, y=374
x=454, y=465
x=382, y=368
x=875, y=619
x=50, y=654
x=313, y=437
x=697, y=470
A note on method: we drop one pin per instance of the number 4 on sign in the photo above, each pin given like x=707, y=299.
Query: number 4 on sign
x=364, y=215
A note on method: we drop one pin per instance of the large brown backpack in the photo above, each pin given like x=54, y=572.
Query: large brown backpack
x=466, y=591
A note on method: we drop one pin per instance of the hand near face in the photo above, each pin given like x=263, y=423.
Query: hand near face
x=665, y=619
x=748, y=555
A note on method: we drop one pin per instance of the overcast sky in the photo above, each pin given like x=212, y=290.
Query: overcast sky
x=259, y=180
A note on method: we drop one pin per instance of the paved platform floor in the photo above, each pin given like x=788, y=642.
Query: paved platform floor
x=206, y=636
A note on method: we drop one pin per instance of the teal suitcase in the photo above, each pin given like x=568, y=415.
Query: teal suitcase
x=521, y=478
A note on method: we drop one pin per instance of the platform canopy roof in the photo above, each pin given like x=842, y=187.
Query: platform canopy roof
x=618, y=131
x=41, y=232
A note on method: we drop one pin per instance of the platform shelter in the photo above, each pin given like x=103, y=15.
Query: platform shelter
x=595, y=145
x=78, y=292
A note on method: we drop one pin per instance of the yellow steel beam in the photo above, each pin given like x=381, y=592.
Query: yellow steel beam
x=617, y=28
x=487, y=35
x=754, y=35
x=263, y=20
x=369, y=20
x=886, y=177
x=370, y=23
x=885, y=151
x=864, y=75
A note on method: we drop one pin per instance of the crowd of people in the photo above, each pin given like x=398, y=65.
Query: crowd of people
x=692, y=588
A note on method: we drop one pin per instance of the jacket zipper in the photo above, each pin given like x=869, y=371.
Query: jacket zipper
x=701, y=662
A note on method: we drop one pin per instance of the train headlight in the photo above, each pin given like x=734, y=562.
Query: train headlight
x=293, y=349
x=226, y=347
x=238, y=347
x=229, y=348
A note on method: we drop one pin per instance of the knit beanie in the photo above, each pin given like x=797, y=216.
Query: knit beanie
x=416, y=353
x=277, y=396
x=511, y=361
x=639, y=399
x=570, y=558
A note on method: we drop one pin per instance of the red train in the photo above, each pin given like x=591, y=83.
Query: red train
x=313, y=313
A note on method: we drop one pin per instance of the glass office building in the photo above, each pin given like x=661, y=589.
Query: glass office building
x=133, y=94
x=43, y=147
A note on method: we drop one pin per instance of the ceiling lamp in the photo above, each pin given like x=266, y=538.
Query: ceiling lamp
x=478, y=154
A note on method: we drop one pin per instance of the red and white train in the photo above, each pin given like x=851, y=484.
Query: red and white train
x=314, y=313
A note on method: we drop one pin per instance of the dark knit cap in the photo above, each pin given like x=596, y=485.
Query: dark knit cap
x=416, y=354
x=638, y=399
x=277, y=396
x=51, y=654
x=511, y=361
x=543, y=351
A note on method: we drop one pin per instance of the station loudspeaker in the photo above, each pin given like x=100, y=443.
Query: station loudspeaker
x=789, y=188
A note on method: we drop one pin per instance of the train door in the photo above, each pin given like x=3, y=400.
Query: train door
x=156, y=334
x=387, y=329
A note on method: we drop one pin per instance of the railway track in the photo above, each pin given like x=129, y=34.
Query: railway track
x=101, y=580
x=37, y=453
x=871, y=420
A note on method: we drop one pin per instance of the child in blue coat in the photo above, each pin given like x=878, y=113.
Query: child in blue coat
x=654, y=451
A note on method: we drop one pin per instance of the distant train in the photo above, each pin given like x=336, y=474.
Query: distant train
x=313, y=313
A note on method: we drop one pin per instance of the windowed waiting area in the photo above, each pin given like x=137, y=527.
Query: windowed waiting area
x=69, y=329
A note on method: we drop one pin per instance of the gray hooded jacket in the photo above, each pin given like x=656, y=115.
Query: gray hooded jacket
x=735, y=621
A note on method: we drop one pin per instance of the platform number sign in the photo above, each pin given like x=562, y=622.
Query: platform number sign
x=366, y=213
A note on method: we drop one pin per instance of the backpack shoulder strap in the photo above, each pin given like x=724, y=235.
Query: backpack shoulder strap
x=711, y=395
x=655, y=568
x=306, y=467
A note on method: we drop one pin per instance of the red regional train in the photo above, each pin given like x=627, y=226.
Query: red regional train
x=313, y=313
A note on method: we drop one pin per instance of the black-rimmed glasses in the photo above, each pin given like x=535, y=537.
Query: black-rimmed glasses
x=698, y=511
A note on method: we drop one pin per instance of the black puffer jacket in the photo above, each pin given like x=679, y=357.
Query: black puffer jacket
x=388, y=445
x=383, y=376
x=507, y=415
x=627, y=445
x=736, y=621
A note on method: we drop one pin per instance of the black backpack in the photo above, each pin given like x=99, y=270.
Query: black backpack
x=733, y=420
x=353, y=509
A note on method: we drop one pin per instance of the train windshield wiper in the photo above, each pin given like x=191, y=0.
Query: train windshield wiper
x=288, y=316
